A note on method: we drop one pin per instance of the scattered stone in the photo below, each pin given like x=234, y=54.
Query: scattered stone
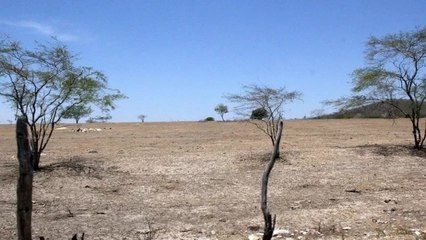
x=353, y=190
x=83, y=130
x=390, y=201
x=254, y=237
x=280, y=232
x=93, y=151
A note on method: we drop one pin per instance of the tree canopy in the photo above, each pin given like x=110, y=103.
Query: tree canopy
x=272, y=100
x=43, y=85
x=221, y=109
x=395, y=72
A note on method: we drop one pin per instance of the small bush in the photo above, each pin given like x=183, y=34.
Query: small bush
x=209, y=119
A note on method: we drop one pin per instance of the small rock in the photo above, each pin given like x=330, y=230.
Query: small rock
x=93, y=151
x=280, y=232
x=353, y=190
x=254, y=237
x=346, y=228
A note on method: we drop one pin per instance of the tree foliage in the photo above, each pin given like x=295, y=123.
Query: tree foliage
x=44, y=84
x=142, y=117
x=259, y=114
x=272, y=100
x=221, y=109
x=77, y=112
x=395, y=72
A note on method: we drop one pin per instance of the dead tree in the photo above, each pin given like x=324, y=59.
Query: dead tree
x=268, y=230
x=24, y=189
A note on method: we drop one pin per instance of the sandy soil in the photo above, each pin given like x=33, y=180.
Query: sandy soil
x=337, y=179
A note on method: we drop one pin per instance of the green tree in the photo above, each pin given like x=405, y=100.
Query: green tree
x=42, y=85
x=259, y=114
x=142, y=117
x=221, y=109
x=396, y=71
x=77, y=112
x=209, y=119
x=261, y=97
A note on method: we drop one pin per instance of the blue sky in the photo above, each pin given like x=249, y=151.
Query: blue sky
x=175, y=60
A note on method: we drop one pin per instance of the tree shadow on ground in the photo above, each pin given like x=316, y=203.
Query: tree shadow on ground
x=75, y=166
x=392, y=150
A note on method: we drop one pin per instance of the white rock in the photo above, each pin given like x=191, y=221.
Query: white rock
x=254, y=237
x=281, y=232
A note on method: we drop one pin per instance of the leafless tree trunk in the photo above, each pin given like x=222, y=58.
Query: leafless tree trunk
x=269, y=222
x=24, y=189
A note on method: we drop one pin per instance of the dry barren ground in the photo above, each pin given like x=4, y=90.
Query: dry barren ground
x=338, y=179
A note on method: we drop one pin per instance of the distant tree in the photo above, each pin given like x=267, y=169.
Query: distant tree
x=77, y=112
x=259, y=114
x=221, y=109
x=99, y=119
x=41, y=85
x=317, y=113
x=142, y=117
x=396, y=71
x=270, y=99
x=209, y=119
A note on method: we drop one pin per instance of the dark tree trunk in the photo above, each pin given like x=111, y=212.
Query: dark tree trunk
x=25, y=182
x=76, y=120
x=418, y=139
x=36, y=160
x=269, y=221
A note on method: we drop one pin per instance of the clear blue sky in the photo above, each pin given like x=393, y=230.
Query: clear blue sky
x=175, y=60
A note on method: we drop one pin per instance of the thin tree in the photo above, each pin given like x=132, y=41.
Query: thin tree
x=271, y=100
x=142, y=117
x=221, y=109
x=41, y=85
x=269, y=227
x=395, y=74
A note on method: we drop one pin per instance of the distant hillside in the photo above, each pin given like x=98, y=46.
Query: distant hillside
x=375, y=110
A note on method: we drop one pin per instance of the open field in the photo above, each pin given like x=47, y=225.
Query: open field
x=338, y=179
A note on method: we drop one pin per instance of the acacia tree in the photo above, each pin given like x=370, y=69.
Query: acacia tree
x=221, y=109
x=396, y=71
x=272, y=100
x=77, y=112
x=41, y=85
x=142, y=117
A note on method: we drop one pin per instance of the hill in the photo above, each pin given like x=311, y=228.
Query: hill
x=374, y=110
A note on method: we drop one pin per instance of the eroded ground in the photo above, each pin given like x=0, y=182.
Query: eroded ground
x=338, y=179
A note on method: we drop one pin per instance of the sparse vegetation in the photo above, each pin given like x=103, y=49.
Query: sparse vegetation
x=44, y=85
x=267, y=104
x=396, y=71
x=208, y=177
